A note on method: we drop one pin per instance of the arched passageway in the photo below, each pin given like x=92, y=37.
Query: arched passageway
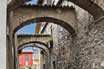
x=64, y=17
x=50, y=19
x=42, y=19
x=38, y=45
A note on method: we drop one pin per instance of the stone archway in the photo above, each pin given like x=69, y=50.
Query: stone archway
x=63, y=16
x=38, y=45
x=23, y=39
x=34, y=44
x=96, y=13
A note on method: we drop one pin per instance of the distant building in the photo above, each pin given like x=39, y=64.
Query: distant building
x=25, y=58
x=36, y=60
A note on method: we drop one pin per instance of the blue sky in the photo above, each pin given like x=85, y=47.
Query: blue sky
x=32, y=2
x=29, y=29
x=35, y=52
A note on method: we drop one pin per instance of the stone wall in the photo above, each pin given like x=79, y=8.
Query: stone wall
x=61, y=44
x=64, y=44
x=84, y=51
x=89, y=43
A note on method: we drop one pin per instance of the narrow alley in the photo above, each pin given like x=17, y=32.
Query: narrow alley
x=52, y=34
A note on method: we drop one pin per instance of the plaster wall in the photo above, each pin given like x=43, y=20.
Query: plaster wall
x=3, y=6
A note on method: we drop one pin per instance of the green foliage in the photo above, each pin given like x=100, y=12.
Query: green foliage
x=50, y=39
x=30, y=67
x=22, y=68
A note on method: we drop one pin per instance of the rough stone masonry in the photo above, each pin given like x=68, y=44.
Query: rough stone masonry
x=87, y=48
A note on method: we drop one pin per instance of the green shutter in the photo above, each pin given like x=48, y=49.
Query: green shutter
x=26, y=57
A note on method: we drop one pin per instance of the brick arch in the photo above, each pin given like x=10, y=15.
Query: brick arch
x=65, y=17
